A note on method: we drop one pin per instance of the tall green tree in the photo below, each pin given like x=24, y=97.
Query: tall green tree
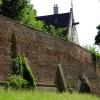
x=11, y=8
x=22, y=11
x=97, y=38
x=28, y=16
x=0, y=2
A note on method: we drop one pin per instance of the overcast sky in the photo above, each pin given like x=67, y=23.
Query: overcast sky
x=87, y=12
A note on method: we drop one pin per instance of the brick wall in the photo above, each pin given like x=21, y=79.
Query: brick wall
x=45, y=53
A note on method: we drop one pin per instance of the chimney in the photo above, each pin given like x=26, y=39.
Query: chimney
x=55, y=9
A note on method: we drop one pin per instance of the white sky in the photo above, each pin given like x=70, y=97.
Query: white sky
x=87, y=12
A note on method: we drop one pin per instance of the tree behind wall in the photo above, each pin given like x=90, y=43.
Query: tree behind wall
x=22, y=11
x=97, y=38
x=10, y=8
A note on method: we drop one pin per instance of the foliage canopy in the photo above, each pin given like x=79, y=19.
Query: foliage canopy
x=24, y=12
x=97, y=38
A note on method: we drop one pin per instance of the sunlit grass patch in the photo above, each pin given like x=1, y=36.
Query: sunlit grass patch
x=36, y=95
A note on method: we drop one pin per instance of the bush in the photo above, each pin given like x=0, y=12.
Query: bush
x=22, y=71
x=17, y=82
x=70, y=90
x=93, y=50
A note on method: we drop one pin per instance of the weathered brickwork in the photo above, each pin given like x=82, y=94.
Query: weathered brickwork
x=45, y=53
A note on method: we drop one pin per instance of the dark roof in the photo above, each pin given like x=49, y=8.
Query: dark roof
x=57, y=20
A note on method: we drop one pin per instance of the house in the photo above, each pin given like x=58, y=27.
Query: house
x=63, y=20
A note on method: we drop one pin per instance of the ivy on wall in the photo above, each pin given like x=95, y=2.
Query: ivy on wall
x=21, y=75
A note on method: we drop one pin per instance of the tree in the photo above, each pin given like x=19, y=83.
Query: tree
x=22, y=11
x=97, y=38
x=11, y=8
x=0, y=2
x=61, y=32
x=50, y=29
x=28, y=16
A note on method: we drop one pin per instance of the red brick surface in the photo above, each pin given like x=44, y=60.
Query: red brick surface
x=45, y=53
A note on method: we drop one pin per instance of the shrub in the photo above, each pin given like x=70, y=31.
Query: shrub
x=70, y=89
x=93, y=50
x=22, y=69
x=17, y=82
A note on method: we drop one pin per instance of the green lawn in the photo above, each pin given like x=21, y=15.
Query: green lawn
x=34, y=95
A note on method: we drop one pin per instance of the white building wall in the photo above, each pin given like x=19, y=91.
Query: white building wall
x=72, y=33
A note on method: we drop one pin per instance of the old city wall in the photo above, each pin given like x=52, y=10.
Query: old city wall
x=44, y=53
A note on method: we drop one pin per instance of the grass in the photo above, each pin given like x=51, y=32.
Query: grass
x=34, y=95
